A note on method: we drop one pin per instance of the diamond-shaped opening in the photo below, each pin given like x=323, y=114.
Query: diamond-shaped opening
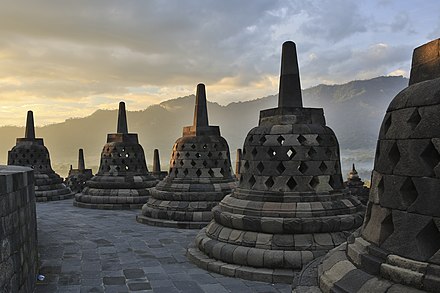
x=280, y=140
x=312, y=152
x=387, y=124
x=281, y=168
x=386, y=228
x=319, y=140
x=260, y=167
x=291, y=183
x=251, y=138
x=181, y=163
x=314, y=182
x=301, y=139
x=185, y=172
x=193, y=163
x=215, y=146
x=380, y=188
x=430, y=156
x=302, y=167
x=198, y=155
x=211, y=173
x=252, y=181
x=209, y=154
x=178, y=154
x=254, y=152
x=193, y=146
x=291, y=153
x=183, y=146
x=414, y=120
x=331, y=182
x=428, y=240
x=269, y=182
x=220, y=154
x=394, y=155
x=222, y=171
x=263, y=139
x=187, y=155
x=408, y=192
x=328, y=152
x=176, y=172
x=246, y=165
x=198, y=172
x=205, y=163
x=271, y=153
x=323, y=167
x=205, y=146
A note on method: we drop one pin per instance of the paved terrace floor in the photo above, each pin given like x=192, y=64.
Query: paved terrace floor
x=83, y=250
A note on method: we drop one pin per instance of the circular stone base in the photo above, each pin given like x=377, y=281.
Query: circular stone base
x=244, y=272
x=170, y=223
x=336, y=273
x=107, y=206
x=54, y=197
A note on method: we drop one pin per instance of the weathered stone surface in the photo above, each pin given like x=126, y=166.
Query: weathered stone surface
x=123, y=180
x=18, y=227
x=200, y=176
x=77, y=178
x=290, y=202
x=31, y=152
x=399, y=246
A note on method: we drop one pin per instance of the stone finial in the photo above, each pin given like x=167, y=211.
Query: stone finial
x=200, y=111
x=81, y=164
x=156, y=161
x=290, y=88
x=425, y=62
x=30, y=128
x=238, y=162
x=122, y=119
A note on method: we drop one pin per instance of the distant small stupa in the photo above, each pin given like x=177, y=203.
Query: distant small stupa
x=123, y=180
x=356, y=186
x=77, y=178
x=31, y=152
x=200, y=175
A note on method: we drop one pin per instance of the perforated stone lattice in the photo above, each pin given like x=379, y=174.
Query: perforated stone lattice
x=314, y=157
x=200, y=159
x=121, y=158
x=34, y=156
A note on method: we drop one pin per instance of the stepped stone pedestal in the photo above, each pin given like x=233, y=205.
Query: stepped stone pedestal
x=31, y=152
x=356, y=186
x=123, y=180
x=77, y=178
x=200, y=176
x=290, y=205
x=398, y=249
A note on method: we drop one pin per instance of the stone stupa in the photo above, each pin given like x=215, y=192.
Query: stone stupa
x=398, y=249
x=123, y=180
x=31, y=152
x=157, y=172
x=356, y=186
x=290, y=205
x=76, y=179
x=200, y=176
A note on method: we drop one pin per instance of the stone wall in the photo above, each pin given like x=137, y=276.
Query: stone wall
x=18, y=230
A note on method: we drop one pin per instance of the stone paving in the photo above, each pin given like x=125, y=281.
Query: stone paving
x=85, y=250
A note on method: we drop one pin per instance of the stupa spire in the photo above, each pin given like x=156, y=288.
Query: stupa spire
x=156, y=161
x=200, y=111
x=122, y=119
x=290, y=88
x=30, y=128
x=81, y=164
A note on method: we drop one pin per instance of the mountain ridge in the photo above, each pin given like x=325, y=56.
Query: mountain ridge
x=354, y=110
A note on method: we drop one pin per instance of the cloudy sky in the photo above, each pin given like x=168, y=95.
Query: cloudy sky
x=68, y=58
